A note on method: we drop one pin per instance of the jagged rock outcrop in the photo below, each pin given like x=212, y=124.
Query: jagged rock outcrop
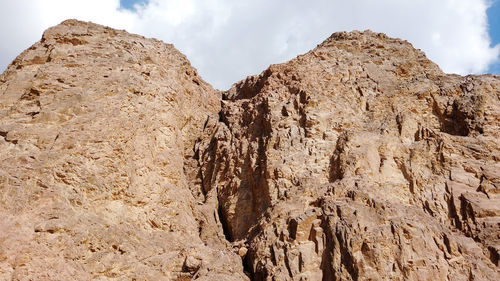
x=360, y=160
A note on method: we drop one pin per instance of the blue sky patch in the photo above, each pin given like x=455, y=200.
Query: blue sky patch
x=129, y=4
x=494, y=30
x=493, y=22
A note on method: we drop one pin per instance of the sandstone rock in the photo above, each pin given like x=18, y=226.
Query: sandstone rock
x=359, y=160
x=97, y=176
x=242, y=251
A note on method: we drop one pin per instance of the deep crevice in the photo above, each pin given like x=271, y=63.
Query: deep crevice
x=247, y=267
x=223, y=219
x=326, y=258
x=494, y=255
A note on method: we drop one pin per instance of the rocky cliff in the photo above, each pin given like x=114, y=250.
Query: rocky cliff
x=359, y=160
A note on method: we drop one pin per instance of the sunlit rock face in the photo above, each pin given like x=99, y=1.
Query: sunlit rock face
x=97, y=175
x=359, y=160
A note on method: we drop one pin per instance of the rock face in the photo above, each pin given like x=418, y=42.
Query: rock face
x=97, y=176
x=360, y=160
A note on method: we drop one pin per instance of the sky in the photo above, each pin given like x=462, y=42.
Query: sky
x=494, y=30
x=227, y=40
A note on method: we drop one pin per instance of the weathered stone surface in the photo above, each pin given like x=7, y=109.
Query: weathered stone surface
x=360, y=160
x=97, y=176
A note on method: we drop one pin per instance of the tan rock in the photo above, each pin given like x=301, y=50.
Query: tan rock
x=242, y=252
x=360, y=160
x=364, y=161
x=97, y=175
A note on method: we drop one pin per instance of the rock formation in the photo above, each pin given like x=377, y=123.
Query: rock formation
x=359, y=160
x=97, y=176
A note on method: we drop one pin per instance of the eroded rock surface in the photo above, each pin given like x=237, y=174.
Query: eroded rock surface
x=97, y=176
x=360, y=160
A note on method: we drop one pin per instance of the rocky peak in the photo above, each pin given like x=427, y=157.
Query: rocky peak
x=97, y=176
x=359, y=160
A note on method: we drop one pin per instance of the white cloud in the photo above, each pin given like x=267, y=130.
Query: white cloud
x=228, y=40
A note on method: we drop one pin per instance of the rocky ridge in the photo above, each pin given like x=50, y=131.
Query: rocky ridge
x=359, y=160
